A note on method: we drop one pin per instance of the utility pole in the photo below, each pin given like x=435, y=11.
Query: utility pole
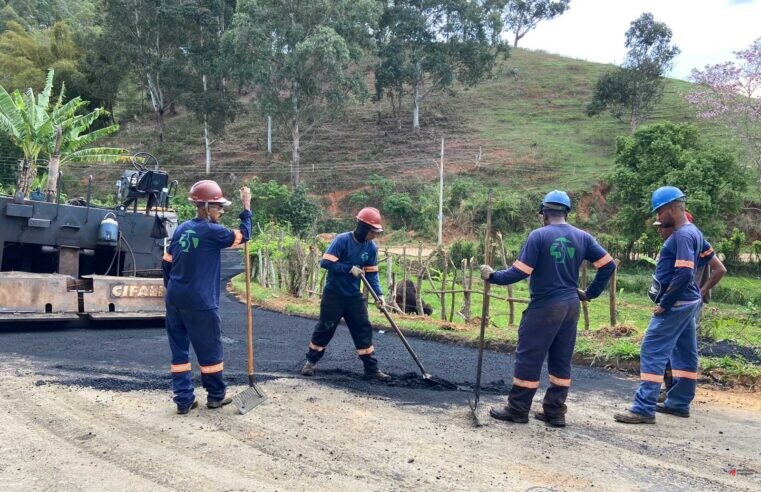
x=441, y=194
x=269, y=134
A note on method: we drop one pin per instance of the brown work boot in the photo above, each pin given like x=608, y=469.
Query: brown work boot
x=507, y=415
x=378, y=375
x=218, y=403
x=308, y=369
x=629, y=417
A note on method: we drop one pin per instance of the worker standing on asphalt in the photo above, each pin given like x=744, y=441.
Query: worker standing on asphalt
x=349, y=256
x=708, y=274
x=552, y=256
x=671, y=334
x=192, y=268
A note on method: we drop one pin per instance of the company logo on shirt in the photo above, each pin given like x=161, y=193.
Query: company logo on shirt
x=561, y=249
x=364, y=256
x=189, y=240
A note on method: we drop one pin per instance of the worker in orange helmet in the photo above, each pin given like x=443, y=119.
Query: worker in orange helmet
x=350, y=255
x=192, y=267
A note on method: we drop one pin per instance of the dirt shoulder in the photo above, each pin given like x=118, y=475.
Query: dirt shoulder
x=313, y=436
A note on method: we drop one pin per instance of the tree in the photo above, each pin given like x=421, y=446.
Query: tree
x=205, y=93
x=670, y=154
x=55, y=131
x=149, y=36
x=729, y=92
x=521, y=16
x=426, y=45
x=303, y=58
x=637, y=85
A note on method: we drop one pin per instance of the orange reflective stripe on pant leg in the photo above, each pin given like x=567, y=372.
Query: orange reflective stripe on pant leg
x=174, y=368
x=366, y=351
x=653, y=378
x=315, y=347
x=559, y=381
x=684, y=374
x=213, y=368
x=525, y=384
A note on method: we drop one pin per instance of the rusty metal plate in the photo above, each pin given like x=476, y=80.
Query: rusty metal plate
x=124, y=295
x=23, y=292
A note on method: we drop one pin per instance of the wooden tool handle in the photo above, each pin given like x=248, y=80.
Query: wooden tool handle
x=249, y=314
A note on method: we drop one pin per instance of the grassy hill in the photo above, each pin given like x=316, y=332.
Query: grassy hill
x=528, y=122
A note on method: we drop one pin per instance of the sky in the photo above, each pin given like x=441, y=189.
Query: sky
x=707, y=31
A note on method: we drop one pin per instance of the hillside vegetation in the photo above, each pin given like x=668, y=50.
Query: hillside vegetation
x=528, y=121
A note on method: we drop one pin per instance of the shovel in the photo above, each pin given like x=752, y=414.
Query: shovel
x=484, y=321
x=253, y=395
x=429, y=379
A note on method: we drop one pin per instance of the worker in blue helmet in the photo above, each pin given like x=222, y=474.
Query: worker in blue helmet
x=671, y=332
x=552, y=256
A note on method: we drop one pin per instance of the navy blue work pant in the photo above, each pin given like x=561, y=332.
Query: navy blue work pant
x=548, y=331
x=669, y=337
x=353, y=309
x=203, y=330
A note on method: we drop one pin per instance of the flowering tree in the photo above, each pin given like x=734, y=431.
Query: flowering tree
x=731, y=93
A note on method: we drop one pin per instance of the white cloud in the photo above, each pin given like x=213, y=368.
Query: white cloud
x=707, y=31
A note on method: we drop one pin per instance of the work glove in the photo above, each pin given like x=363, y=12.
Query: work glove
x=582, y=295
x=486, y=272
x=356, y=271
x=381, y=302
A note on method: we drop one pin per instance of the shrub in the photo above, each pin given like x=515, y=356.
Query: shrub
x=462, y=249
x=731, y=246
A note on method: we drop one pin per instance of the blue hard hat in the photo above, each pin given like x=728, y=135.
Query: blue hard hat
x=556, y=200
x=665, y=195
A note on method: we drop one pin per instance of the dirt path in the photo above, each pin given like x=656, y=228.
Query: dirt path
x=310, y=436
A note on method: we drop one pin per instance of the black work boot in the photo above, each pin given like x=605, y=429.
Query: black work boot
x=308, y=369
x=553, y=420
x=629, y=417
x=662, y=395
x=377, y=375
x=185, y=410
x=218, y=403
x=508, y=415
x=662, y=408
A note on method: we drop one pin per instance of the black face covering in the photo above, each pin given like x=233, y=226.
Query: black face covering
x=360, y=232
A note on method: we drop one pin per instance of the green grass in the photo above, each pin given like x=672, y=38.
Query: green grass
x=600, y=343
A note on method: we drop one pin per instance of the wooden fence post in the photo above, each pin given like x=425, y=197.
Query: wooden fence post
x=510, y=303
x=444, y=272
x=612, y=291
x=584, y=304
x=454, y=284
x=404, y=279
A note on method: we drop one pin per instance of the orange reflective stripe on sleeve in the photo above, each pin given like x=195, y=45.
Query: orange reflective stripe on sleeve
x=684, y=264
x=175, y=368
x=653, y=378
x=559, y=381
x=167, y=257
x=238, y=238
x=315, y=347
x=706, y=252
x=603, y=261
x=329, y=257
x=366, y=351
x=525, y=384
x=213, y=368
x=523, y=267
x=370, y=269
x=684, y=374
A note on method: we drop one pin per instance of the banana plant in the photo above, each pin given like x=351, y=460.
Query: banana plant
x=57, y=132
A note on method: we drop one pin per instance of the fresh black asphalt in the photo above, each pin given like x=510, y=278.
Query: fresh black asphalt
x=123, y=357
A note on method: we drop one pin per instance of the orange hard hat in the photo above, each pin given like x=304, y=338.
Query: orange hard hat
x=372, y=217
x=207, y=191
